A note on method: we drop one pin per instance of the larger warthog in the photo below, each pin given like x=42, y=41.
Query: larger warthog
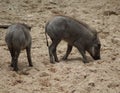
x=75, y=33
x=17, y=39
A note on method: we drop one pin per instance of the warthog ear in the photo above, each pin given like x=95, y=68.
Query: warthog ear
x=29, y=27
x=95, y=35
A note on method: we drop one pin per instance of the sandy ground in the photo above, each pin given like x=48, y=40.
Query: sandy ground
x=71, y=76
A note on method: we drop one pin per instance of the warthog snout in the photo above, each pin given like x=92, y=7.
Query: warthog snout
x=96, y=57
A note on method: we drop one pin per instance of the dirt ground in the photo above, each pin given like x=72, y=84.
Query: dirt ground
x=71, y=76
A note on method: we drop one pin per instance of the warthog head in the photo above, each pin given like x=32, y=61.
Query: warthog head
x=94, y=49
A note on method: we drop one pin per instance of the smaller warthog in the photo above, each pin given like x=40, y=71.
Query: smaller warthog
x=75, y=33
x=18, y=38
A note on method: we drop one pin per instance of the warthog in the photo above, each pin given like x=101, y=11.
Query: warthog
x=17, y=39
x=75, y=33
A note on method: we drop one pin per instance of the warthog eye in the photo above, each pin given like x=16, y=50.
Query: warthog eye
x=97, y=46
